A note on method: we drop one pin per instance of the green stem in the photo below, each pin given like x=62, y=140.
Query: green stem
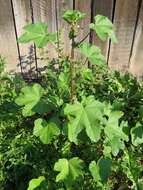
x=72, y=73
x=72, y=70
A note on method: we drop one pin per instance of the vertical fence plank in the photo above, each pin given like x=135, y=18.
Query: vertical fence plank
x=44, y=11
x=62, y=6
x=8, y=44
x=103, y=7
x=83, y=6
x=124, y=21
x=22, y=13
x=50, y=12
x=136, y=61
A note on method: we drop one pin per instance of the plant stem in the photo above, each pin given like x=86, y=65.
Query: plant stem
x=72, y=63
x=72, y=73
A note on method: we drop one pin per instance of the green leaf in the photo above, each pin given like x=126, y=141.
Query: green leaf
x=140, y=184
x=130, y=166
x=101, y=170
x=30, y=98
x=93, y=53
x=94, y=169
x=69, y=170
x=73, y=16
x=114, y=145
x=86, y=73
x=34, y=183
x=137, y=134
x=88, y=115
x=63, y=83
x=38, y=34
x=46, y=131
x=115, y=135
x=104, y=28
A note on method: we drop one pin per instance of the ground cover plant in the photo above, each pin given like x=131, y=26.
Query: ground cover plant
x=80, y=127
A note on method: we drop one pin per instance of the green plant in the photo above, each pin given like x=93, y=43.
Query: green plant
x=2, y=65
x=80, y=128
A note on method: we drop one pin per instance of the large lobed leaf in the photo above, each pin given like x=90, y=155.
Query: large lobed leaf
x=37, y=33
x=93, y=53
x=86, y=115
x=31, y=98
x=103, y=28
x=115, y=135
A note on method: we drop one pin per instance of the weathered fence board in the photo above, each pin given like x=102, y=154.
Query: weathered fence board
x=85, y=7
x=62, y=6
x=103, y=7
x=23, y=16
x=8, y=44
x=127, y=16
x=136, y=61
x=124, y=20
x=44, y=11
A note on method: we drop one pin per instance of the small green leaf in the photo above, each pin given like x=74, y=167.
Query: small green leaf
x=94, y=169
x=62, y=166
x=115, y=144
x=100, y=170
x=86, y=73
x=104, y=28
x=69, y=170
x=93, y=53
x=73, y=16
x=38, y=34
x=46, y=131
x=137, y=134
x=63, y=83
x=34, y=183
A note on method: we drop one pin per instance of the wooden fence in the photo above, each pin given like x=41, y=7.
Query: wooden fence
x=127, y=16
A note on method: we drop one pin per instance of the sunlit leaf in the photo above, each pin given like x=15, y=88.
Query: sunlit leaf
x=37, y=33
x=34, y=183
x=104, y=28
x=93, y=53
x=73, y=16
x=115, y=135
x=69, y=170
x=86, y=115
